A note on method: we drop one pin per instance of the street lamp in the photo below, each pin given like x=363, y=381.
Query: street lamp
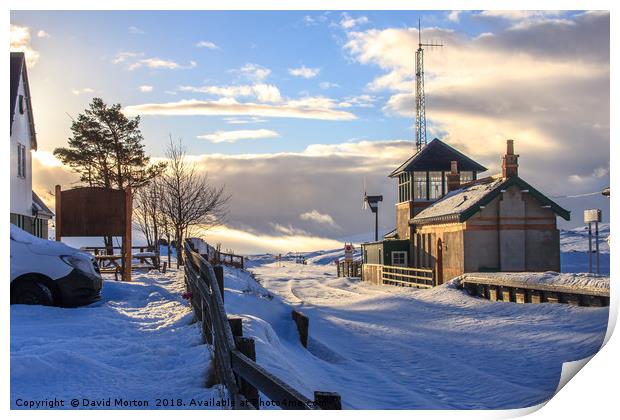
x=372, y=201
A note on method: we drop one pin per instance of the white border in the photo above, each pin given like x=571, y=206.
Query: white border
x=593, y=395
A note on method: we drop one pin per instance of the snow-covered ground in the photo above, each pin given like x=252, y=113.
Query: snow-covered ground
x=137, y=343
x=574, y=248
x=380, y=347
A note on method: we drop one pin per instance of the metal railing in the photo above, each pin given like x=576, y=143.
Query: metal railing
x=399, y=276
x=233, y=364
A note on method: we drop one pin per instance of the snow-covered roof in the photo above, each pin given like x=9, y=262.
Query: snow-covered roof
x=39, y=206
x=459, y=205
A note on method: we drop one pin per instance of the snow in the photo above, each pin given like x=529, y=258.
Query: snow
x=458, y=201
x=577, y=281
x=390, y=347
x=40, y=246
x=574, y=246
x=380, y=347
x=137, y=343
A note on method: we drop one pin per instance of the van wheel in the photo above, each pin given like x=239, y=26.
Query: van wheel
x=33, y=293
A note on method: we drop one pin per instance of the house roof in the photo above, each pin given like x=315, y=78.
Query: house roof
x=436, y=156
x=461, y=204
x=39, y=207
x=18, y=69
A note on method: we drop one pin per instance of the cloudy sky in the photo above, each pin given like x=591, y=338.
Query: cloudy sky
x=294, y=111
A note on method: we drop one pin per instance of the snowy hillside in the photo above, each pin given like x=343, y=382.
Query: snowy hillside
x=573, y=247
x=574, y=250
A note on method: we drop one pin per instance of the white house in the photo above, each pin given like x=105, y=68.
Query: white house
x=27, y=210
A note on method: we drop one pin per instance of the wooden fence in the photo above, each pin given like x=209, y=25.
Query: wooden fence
x=398, y=276
x=216, y=257
x=234, y=357
x=349, y=269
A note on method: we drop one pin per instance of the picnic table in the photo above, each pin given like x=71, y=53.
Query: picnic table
x=110, y=264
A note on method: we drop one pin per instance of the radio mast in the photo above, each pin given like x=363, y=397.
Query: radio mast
x=420, y=100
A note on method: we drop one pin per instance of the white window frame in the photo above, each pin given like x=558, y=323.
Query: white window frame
x=402, y=254
x=21, y=160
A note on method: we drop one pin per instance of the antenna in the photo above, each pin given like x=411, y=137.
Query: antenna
x=420, y=100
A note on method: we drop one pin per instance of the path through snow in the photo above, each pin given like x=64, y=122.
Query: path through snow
x=384, y=347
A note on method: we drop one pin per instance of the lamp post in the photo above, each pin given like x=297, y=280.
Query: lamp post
x=372, y=201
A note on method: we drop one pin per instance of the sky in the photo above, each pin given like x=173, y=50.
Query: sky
x=294, y=112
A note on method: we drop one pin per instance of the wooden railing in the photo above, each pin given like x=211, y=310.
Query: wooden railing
x=349, y=269
x=216, y=257
x=234, y=356
x=398, y=276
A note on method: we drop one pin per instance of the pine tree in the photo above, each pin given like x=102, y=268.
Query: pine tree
x=107, y=150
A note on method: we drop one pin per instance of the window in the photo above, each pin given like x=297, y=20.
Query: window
x=404, y=187
x=466, y=176
x=399, y=258
x=435, y=185
x=21, y=104
x=419, y=186
x=21, y=160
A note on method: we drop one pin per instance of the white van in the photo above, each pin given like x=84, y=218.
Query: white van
x=51, y=273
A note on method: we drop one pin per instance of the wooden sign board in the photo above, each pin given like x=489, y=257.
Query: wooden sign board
x=92, y=211
x=96, y=211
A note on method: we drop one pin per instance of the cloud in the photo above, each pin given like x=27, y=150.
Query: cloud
x=545, y=84
x=347, y=22
x=317, y=217
x=123, y=56
x=158, y=63
x=146, y=88
x=361, y=101
x=20, y=41
x=253, y=72
x=307, y=108
x=42, y=34
x=207, y=44
x=305, y=72
x=250, y=120
x=454, y=15
x=135, y=30
x=280, y=241
x=236, y=135
x=328, y=85
x=519, y=14
x=266, y=187
x=83, y=91
x=261, y=91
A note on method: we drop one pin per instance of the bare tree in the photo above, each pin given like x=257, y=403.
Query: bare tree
x=189, y=199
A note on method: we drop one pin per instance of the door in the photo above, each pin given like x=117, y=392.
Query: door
x=439, y=270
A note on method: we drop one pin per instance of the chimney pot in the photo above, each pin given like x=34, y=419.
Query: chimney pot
x=453, y=179
x=510, y=161
x=510, y=147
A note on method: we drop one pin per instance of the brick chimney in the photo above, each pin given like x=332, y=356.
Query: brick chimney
x=453, y=178
x=510, y=161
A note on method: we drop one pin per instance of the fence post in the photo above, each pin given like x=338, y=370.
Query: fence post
x=327, y=400
x=236, y=326
x=246, y=346
x=302, y=323
x=219, y=276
